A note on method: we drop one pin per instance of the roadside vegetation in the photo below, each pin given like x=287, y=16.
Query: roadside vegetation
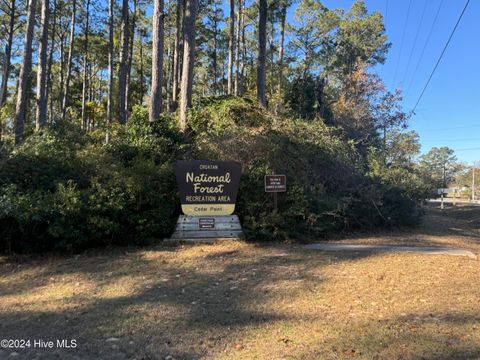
x=65, y=189
x=86, y=159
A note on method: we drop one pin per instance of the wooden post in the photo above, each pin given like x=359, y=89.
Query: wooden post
x=275, y=198
x=444, y=182
x=473, y=182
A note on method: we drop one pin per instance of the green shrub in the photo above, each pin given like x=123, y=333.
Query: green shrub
x=216, y=114
x=328, y=188
x=63, y=190
x=66, y=190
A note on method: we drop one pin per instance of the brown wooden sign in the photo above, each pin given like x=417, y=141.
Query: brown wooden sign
x=208, y=188
x=275, y=183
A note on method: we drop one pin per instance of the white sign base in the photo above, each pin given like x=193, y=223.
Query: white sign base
x=207, y=228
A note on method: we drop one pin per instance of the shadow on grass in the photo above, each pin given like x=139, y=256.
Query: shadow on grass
x=185, y=311
x=199, y=305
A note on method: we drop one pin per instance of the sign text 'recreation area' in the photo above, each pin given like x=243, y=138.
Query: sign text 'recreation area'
x=208, y=187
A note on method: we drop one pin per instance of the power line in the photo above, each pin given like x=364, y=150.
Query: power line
x=415, y=41
x=450, y=140
x=385, y=28
x=467, y=149
x=401, y=43
x=453, y=128
x=424, y=46
x=386, y=13
x=441, y=55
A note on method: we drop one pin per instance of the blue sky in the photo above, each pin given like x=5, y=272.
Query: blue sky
x=449, y=112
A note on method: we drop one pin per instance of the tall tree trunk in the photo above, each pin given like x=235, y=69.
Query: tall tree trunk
x=8, y=55
x=50, y=60
x=272, y=53
x=231, y=46
x=169, y=65
x=215, y=45
x=70, y=60
x=41, y=114
x=262, y=46
x=142, y=83
x=63, y=45
x=182, y=42
x=237, y=48
x=244, y=55
x=176, y=55
x=130, y=57
x=92, y=73
x=21, y=109
x=85, y=69
x=157, y=62
x=188, y=61
x=7, y=60
x=122, y=81
x=280, y=48
x=319, y=93
x=110, y=69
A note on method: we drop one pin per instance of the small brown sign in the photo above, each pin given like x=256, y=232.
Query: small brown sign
x=275, y=183
x=206, y=223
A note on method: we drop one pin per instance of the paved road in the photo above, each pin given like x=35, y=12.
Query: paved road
x=433, y=250
x=457, y=201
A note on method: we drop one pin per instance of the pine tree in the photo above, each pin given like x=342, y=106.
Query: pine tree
x=122, y=83
x=157, y=62
x=21, y=109
x=262, y=47
x=188, y=61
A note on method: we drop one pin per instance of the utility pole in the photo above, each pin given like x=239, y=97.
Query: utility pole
x=473, y=182
x=444, y=185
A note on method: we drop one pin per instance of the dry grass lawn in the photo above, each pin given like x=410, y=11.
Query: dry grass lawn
x=245, y=301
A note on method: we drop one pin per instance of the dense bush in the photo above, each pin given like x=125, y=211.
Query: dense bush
x=328, y=185
x=66, y=190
